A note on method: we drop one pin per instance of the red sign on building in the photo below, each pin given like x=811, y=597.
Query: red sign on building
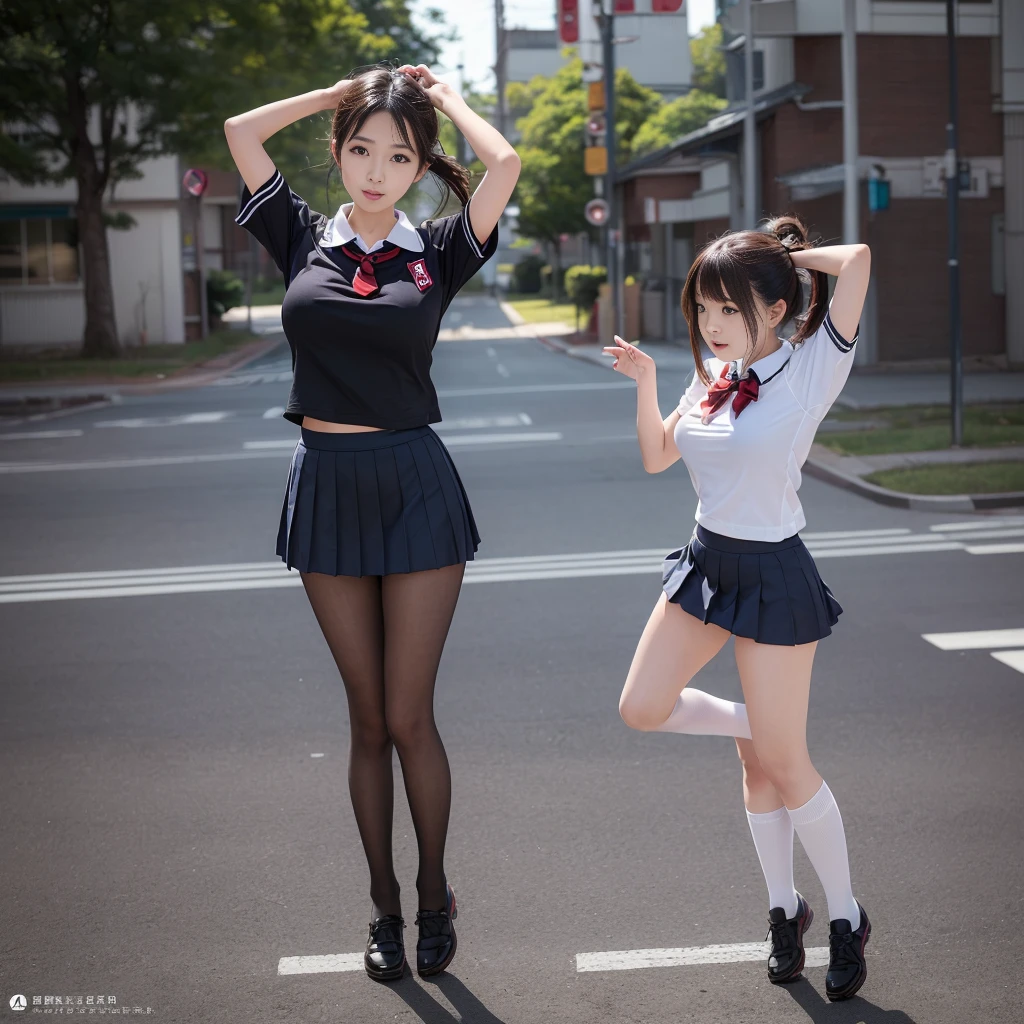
x=666, y=6
x=569, y=21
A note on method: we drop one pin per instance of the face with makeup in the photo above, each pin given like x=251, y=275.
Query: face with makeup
x=724, y=330
x=377, y=165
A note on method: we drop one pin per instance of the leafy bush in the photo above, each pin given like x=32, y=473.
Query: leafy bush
x=582, y=284
x=526, y=275
x=224, y=290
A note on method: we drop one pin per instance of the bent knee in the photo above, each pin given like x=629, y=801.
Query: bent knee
x=786, y=771
x=638, y=714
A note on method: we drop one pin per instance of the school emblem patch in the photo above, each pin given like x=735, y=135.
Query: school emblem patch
x=421, y=278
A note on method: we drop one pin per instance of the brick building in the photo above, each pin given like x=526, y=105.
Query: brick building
x=680, y=197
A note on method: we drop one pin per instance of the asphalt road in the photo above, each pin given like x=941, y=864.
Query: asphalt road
x=174, y=817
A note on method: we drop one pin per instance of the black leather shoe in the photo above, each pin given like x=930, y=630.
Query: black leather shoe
x=847, y=968
x=435, y=949
x=786, y=960
x=384, y=959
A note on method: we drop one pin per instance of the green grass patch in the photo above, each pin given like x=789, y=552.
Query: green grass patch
x=536, y=310
x=926, y=428
x=270, y=296
x=136, y=362
x=953, y=478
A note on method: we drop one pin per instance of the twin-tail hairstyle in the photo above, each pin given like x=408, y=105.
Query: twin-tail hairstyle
x=739, y=264
x=384, y=88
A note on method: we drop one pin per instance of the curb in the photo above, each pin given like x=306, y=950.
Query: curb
x=918, y=502
x=104, y=391
x=882, y=495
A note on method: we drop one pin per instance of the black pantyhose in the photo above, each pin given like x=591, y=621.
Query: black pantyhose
x=386, y=634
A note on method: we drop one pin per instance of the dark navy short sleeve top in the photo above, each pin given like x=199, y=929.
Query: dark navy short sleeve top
x=356, y=359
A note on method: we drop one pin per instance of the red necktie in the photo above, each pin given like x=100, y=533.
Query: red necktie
x=746, y=389
x=364, y=283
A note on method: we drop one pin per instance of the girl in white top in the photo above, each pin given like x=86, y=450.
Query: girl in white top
x=743, y=428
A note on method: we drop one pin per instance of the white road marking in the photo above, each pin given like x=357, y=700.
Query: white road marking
x=320, y=964
x=687, y=956
x=518, y=419
x=502, y=370
x=271, y=377
x=167, y=421
x=531, y=389
x=976, y=525
x=472, y=439
x=273, y=574
x=492, y=353
x=8, y=468
x=995, y=549
x=884, y=549
x=40, y=435
x=976, y=640
x=273, y=412
x=1015, y=659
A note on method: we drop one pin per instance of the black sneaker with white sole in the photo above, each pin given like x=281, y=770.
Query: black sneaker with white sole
x=847, y=969
x=786, y=960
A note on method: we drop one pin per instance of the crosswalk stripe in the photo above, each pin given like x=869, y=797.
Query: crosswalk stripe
x=40, y=435
x=167, y=421
x=1015, y=659
x=995, y=549
x=330, y=963
x=688, y=956
x=978, y=639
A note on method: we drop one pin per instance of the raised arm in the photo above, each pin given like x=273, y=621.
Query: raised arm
x=851, y=264
x=247, y=132
x=657, y=446
x=494, y=150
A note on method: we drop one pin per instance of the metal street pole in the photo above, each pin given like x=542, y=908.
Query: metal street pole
x=612, y=230
x=749, y=126
x=952, y=199
x=501, y=51
x=851, y=140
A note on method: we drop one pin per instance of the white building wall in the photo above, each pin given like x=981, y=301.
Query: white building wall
x=148, y=254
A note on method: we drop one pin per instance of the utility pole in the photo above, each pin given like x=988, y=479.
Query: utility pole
x=606, y=21
x=460, y=139
x=952, y=201
x=749, y=125
x=851, y=138
x=501, y=53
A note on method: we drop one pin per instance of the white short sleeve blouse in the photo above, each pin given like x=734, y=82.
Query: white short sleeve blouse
x=746, y=469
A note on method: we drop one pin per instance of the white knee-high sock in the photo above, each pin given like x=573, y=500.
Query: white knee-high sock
x=819, y=825
x=697, y=713
x=772, y=833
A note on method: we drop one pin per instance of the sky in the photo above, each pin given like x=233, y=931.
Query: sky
x=475, y=22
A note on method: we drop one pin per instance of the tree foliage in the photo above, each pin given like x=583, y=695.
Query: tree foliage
x=675, y=119
x=708, y=60
x=553, y=188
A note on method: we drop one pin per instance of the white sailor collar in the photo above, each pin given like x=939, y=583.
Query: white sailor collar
x=768, y=365
x=339, y=232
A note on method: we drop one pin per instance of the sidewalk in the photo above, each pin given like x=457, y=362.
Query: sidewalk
x=45, y=399
x=873, y=390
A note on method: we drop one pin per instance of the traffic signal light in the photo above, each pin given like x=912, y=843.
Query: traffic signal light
x=569, y=21
x=595, y=154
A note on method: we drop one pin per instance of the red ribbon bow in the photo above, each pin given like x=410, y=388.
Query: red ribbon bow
x=364, y=283
x=746, y=389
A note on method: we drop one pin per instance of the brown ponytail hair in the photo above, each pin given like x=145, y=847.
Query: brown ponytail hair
x=739, y=264
x=383, y=88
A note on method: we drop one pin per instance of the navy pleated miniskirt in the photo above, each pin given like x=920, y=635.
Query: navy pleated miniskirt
x=373, y=503
x=769, y=591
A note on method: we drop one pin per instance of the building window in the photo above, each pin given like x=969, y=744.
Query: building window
x=37, y=249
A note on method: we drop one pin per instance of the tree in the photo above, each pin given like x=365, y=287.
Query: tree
x=675, y=119
x=708, y=60
x=92, y=88
x=553, y=188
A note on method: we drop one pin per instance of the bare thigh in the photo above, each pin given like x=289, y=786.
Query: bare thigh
x=776, y=683
x=673, y=648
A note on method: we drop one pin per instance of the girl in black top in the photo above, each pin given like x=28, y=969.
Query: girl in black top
x=375, y=517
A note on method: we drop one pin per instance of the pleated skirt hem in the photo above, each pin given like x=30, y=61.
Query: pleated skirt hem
x=374, y=503
x=770, y=592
